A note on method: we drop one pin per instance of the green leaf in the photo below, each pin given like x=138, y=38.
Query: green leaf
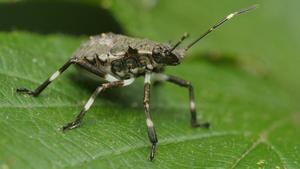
x=252, y=106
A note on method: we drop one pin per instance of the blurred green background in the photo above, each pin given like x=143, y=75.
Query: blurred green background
x=246, y=79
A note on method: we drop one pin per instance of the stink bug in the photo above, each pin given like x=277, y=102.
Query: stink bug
x=119, y=59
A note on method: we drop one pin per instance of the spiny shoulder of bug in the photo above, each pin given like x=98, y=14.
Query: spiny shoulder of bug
x=158, y=54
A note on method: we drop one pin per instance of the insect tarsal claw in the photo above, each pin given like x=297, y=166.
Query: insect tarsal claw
x=152, y=153
x=71, y=125
x=205, y=125
x=25, y=91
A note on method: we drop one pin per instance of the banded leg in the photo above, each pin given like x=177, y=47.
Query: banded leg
x=41, y=87
x=150, y=126
x=84, y=64
x=88, y=104
x=186, y=84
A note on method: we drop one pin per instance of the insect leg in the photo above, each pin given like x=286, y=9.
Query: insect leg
x=186, y=84
x=41, y=87
x=149, y=122
x=84, y=64
x=88, y=104
x=91, y=68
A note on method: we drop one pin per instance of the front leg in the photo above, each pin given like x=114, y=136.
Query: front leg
x=149, y=122
x=186, y=84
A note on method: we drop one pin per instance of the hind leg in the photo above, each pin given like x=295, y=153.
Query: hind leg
x=41, y=87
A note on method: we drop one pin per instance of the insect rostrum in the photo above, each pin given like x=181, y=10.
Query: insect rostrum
x=119, y=59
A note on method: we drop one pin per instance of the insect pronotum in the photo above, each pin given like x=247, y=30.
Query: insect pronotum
x=119, y=59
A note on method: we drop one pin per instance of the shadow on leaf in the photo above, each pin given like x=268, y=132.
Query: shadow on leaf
x=57, y=17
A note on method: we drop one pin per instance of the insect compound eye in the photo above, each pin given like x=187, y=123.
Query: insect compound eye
x=157, y=54
x=156, y=50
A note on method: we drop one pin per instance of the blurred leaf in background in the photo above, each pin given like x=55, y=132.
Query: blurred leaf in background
x=246, y=79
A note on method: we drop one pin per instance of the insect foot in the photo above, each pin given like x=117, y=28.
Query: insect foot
x=25, y=91
x=153, y=149
x=205, y=125
x=71, y=125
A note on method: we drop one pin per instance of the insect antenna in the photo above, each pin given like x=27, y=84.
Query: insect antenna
x=228, y=17
x=185, y=35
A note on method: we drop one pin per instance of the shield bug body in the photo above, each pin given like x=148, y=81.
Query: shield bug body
x=119, y=59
